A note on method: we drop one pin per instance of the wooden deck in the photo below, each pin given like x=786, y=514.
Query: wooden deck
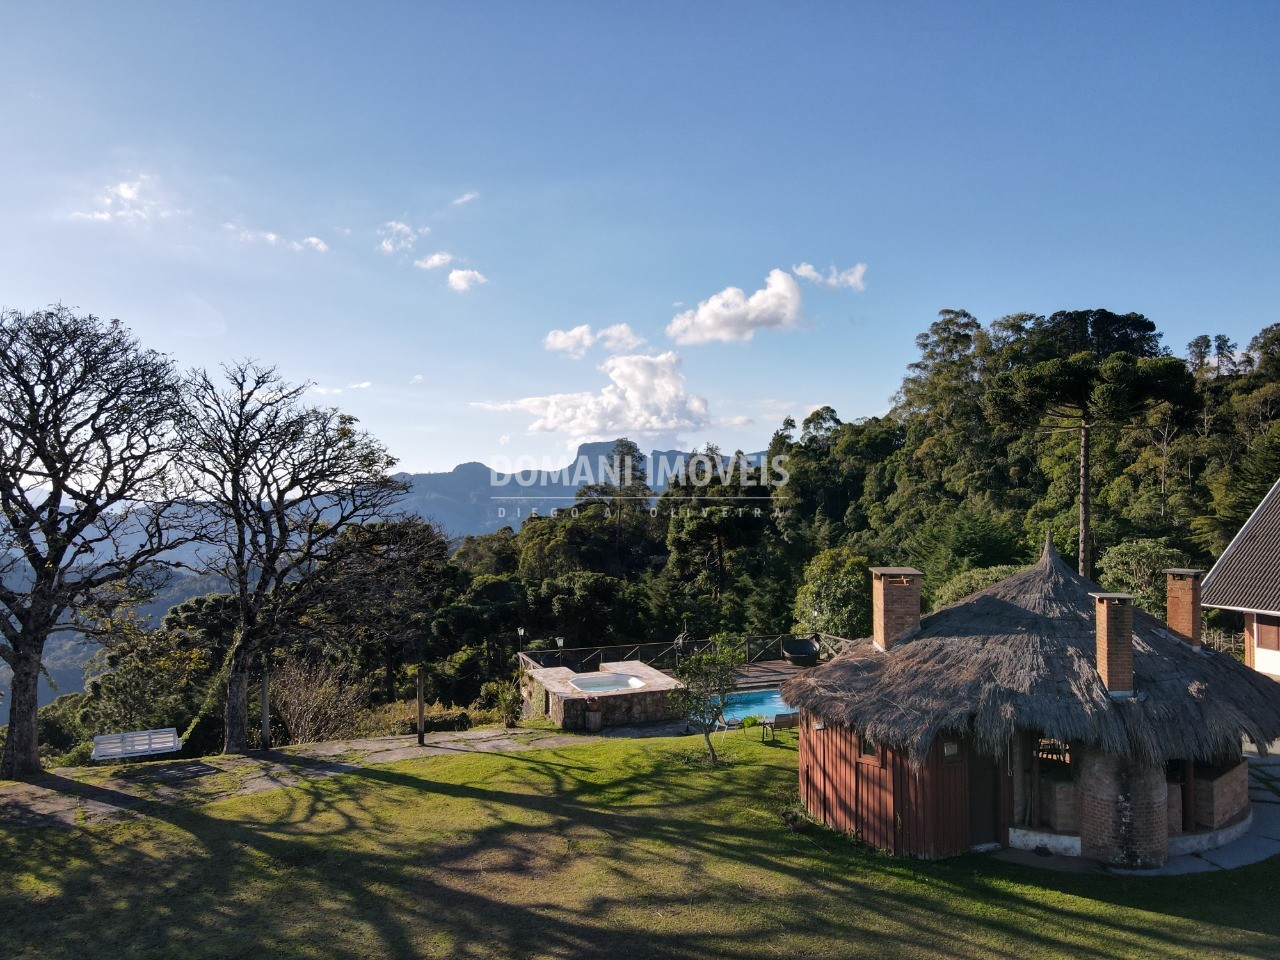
x=763, y=675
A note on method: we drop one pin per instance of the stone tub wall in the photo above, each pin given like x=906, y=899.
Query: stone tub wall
x=549, y=693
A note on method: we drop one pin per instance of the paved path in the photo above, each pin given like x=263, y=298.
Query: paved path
x=70, y=797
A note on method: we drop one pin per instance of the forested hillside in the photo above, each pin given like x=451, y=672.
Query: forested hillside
x=978, y=459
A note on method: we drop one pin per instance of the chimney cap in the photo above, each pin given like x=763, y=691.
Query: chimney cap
x=1183, y=571
x=1112, y=596
x=897, y=572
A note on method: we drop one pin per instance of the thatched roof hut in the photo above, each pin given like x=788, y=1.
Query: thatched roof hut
x=1022, y=655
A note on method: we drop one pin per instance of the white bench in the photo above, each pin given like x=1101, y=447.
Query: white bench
x=139, y=743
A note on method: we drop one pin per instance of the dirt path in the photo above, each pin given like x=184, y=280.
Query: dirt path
x=73, y=796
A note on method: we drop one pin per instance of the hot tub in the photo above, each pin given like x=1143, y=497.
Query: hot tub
x=605, y=682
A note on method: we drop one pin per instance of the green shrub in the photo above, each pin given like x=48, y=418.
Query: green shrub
x=971, y=581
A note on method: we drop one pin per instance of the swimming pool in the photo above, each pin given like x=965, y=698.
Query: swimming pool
x=756, y=703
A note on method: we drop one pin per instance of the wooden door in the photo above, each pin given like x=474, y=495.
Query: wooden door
x=984, y=799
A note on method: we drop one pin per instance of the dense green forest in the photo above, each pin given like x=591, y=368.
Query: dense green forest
x=978, y=459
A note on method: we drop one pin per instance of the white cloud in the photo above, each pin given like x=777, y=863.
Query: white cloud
x=362, y=385
x=731, y=315
x=417, y=378
x=463, y=280
x=620, y=336
x=736, y=422
x=504, y=439
x=272, y=239
x=465, y=198
x=434, y=261
x=137, y=201
x=397, y=236
x=258, y=236
x=575, y=342
x=647, y=395
x=578, y=340
x=325, y=391
x=851, y=278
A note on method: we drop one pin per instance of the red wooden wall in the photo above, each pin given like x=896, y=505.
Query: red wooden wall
x=881, y=799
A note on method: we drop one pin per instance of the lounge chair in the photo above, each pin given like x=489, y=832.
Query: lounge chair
x=780, y=721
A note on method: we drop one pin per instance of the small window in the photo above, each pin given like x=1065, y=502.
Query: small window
x=950, y=749
x=1266, y=632
x=868, y=752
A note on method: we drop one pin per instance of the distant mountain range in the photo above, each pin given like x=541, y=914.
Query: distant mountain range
x=469, y=499
x=473, y=499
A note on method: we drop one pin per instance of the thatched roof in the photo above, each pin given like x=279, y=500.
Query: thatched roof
x=1020, y=654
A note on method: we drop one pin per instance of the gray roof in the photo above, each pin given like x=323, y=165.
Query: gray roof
x=1022, y=655
x=1247, y=575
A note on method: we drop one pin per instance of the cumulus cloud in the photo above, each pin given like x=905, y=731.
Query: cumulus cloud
x=575, y=342
x=463, y=280
x=647, y=395
x=138, y=201
x=398, y=236
x=736, y=422
x=465, y=198
x=325, y=391
x=851, y=278
x=362, y=385
x=417, y=378
x=316, y=244
x=434, y=261
x=578, y=340
x=730, y=315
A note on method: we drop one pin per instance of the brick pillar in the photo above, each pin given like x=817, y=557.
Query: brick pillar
x=895, y=604
x=1124, y=813
x=1182, y=608
x=1114, y=612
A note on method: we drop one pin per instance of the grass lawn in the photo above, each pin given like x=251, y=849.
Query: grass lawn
x=614, y=849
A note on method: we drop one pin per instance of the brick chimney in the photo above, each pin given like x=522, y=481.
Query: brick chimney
x=895, y=604
x=1114, y=613
x=1182, y=608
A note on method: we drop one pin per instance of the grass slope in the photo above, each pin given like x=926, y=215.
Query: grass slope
x=616, y=849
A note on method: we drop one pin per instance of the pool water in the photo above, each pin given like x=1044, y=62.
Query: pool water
x=757, y=703
x=606, y=682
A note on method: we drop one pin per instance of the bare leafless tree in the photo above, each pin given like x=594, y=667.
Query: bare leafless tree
x=315, y=701
x=88, y=440
x=281, y=480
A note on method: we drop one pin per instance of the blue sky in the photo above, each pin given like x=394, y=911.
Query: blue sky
x=401, y=202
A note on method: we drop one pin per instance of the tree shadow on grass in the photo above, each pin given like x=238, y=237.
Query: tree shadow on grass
x=549, y=854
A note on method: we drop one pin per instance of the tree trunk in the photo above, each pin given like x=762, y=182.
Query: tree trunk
x=1084, y=500
x=389, y=669
x=265, y=706
x=706, y=735
x=236, y=729
x=21, y=748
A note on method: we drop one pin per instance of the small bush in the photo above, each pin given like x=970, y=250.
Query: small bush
x=400, y=719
